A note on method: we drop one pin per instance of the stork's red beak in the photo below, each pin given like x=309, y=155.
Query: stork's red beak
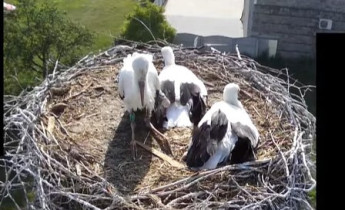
x=142, y=88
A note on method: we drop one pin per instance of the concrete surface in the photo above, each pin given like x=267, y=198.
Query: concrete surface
x=206, y=17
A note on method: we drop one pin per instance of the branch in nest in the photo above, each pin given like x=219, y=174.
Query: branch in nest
x=162, y=156
x=59, y=91
x=77, y=94
x=161, y=140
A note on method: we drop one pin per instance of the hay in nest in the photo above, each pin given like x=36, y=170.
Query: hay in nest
x=71, y=136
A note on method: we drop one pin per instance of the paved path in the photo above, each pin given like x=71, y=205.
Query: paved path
x=206, y=17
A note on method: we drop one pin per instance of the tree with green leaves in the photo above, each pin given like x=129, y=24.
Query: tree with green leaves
x=37, y=35
x=147, y=22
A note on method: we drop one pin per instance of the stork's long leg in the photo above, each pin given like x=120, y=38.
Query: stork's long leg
x=132, y=143
x=147, y=118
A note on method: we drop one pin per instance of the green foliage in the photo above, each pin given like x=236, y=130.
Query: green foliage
x=16, y=81
x=36, y=35
x=152, y=16
x=312, y=198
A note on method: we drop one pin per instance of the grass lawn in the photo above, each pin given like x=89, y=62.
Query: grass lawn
x=104, y=17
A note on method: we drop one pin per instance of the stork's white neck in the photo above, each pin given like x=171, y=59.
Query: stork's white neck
x=230, y=94
x=168, y=55
x=232, y=99
x=169, y=62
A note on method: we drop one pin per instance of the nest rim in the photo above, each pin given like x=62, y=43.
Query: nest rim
x=105, y=190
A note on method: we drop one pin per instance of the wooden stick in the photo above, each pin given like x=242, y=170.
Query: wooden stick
x=51, y=124
x=247, y=94
x=161, y=140
x=77, y=94
x=59, y=91
x=161, y=155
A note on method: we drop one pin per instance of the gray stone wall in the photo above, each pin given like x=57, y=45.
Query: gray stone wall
x=294, y=23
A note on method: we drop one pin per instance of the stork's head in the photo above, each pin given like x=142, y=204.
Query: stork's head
x=141, y=66
x=168, y=55
x=230, y=93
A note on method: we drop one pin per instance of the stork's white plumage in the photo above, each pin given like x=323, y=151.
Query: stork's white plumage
x=138, y=86
x=177, y=116
x=138, y=70
x=186, y=92
x=178, y=73
x=226, y=130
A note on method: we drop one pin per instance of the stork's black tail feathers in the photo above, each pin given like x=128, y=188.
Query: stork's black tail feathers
x=190, y=93
x=242, y=152
x=197, y=153
x=245, y=147
x=198, y=109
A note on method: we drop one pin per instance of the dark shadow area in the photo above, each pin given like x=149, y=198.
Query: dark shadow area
x=302, y=69
x=8, y=173
x=18, y=182
x=119, y=167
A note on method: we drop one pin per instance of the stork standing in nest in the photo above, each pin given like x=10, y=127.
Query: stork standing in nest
x=139, y=88
x=225, y=132
x=186, y=92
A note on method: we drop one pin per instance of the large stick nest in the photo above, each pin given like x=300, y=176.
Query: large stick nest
x=69, y=139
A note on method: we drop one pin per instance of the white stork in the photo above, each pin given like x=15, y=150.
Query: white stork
x=138, y=87
x=225, y=132
x=186, y=92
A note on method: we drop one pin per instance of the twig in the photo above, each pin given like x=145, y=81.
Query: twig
x=238, y=52
x=77, y=94
x=147, y=28
x=56, y=65
x=161, y=155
